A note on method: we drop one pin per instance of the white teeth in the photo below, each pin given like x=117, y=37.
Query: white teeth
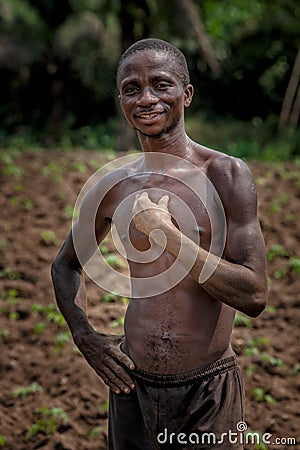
x=148, y=116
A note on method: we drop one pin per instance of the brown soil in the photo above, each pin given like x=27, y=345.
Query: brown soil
x=32, y=348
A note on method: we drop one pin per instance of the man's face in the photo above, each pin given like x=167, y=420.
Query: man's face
x=152, y=95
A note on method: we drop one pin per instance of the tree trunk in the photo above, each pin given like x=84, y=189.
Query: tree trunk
x=193, y=16
x=290, y=94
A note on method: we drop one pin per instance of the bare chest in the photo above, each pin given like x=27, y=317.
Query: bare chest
x=192, y=205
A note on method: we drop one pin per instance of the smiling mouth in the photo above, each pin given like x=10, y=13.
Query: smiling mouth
x=148, y=115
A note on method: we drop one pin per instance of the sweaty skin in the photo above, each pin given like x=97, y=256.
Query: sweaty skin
x=189, y=325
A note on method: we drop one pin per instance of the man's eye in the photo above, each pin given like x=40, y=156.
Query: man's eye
x=162, y=85
x=130, y=90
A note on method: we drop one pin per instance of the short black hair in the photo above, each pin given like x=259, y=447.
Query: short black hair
x=162, y=46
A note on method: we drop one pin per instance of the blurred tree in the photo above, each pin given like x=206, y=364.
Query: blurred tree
x=58, y=59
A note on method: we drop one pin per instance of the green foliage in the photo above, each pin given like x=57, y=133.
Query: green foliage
x=26, y=390
x=9, y=167
x=39, y=328
x=62, y=339
x=2, y=440
x=278, y=203
x=295, y=369
x=8, y=274
x=260, y=395
x=65, y=57
x=49, y=238
x=295, y=264
x=49, y=419
x=4, y=332
x=114, y=261
x=50, y=312
x=11, y=296
x=276, y=250
x=53, y=170
x=241, y=320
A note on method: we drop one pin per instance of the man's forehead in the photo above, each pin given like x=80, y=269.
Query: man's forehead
x=149, y=60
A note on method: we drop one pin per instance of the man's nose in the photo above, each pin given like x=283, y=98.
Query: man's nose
x=147, y=97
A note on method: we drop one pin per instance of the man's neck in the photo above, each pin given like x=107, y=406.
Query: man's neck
x=176, y=145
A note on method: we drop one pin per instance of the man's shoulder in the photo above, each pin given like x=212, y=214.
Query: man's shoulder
x=226, y=168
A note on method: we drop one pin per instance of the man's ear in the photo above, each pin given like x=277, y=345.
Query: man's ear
x=188, y=94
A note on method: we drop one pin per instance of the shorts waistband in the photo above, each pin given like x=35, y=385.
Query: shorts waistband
x=193, y=376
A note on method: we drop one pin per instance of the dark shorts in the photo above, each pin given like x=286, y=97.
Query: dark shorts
x=194, y=410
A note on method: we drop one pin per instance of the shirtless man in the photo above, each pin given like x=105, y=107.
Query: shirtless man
x=173, y=377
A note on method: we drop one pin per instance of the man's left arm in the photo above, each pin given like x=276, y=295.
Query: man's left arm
x=240, y=280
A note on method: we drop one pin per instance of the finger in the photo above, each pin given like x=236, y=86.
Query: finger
x=164, y=201
x=141, y=202
x=124, y=359
x=119, y=370
x=118, y=377
x=109, y=383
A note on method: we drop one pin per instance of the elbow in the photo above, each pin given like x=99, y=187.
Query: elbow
x=257, y=305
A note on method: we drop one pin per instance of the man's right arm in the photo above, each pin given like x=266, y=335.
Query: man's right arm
x=101, y=351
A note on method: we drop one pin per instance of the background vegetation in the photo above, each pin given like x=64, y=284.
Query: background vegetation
x=58, y=61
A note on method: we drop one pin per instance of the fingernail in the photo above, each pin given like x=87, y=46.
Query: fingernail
x=126, y=390
x=132, y=386
x=117, y=391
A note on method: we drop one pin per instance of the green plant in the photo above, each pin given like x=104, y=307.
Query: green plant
x=294, y=262
x=276, y=250
x=117, y=322
x=2, y=441
x=26, y=390
x=109, y=298
x=255, y=438
x=114, y=261
x=49, y=237
x=241, y=320
x=39, y=328
x=95, y=432
x=70, y=212
x=14, y=315
x=254, y=345
x=9, y=274
x=270, y=309
x=260, y=395
x=104, y=249
x=62, y=339
x=3, y=244
x=48, y=421
x=9, y=167
x=26, y=203
x=78, y=166
x=11, y=296
x=50, y=311
x=278, y=203
x=104, y=406
x=296, y=369
x=271, y=360
x=4, y=332
x=280, y=273
x=53, y=169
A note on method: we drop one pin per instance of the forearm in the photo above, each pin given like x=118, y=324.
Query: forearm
x=233, y=284
x=71, y=297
